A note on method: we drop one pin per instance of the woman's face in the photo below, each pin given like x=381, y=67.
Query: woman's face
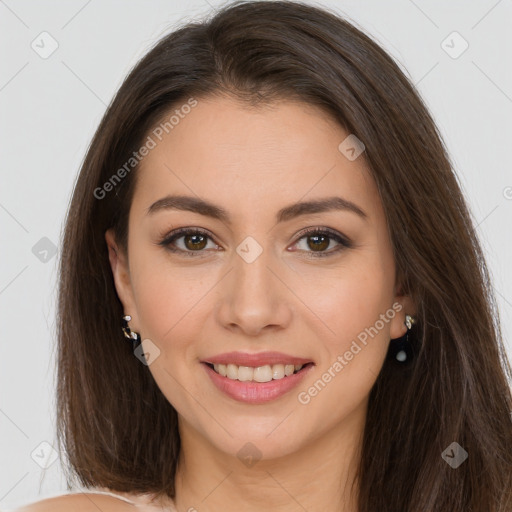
x=253, y=281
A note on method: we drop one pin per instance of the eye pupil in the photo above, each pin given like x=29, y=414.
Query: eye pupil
x=321, y=245
x=194, y=244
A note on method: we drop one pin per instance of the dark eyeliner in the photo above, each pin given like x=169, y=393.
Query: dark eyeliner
x=344, y=243
x=171, y=237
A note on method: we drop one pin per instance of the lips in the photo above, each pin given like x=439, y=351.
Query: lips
x=257, y=359
x=255, y=393
x=258, y=389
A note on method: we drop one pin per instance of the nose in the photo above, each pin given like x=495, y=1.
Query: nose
x=254, y=297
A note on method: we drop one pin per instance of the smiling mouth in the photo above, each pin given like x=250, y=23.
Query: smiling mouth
x=265, y=373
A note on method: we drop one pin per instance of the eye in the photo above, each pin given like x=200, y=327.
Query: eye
x=319, y=239
x=194, y=240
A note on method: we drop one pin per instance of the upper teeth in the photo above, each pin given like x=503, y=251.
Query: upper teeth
x=260, y=374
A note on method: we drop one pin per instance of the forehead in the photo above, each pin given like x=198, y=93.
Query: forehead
x=252, y=157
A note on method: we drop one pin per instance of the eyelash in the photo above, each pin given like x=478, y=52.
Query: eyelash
x=343, y=241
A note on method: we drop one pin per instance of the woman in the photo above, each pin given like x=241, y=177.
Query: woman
x=272, y=294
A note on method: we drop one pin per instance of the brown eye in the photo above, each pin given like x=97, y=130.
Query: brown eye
x=194, y=241
x=318, y=241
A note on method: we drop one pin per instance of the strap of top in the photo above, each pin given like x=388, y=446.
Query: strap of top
x=140, y=500
x=108, y=493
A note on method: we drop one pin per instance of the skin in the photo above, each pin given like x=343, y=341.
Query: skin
x=252, y=162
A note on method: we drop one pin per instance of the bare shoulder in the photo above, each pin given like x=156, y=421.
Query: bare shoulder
x=81, y=502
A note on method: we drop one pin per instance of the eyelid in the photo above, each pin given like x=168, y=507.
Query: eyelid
x=343, y=241
x=167, y=239
x=324, y=230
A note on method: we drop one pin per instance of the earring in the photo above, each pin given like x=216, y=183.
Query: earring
x=401, y=349
x=134, y=337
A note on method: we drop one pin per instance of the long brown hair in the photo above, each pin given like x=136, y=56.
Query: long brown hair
x=115, y=425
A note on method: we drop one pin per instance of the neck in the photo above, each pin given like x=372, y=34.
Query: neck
x=318, y=476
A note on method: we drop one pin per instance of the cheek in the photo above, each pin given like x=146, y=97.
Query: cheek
x=353, y=352
x=351, y=301
x=358, y=312
x=161, y=295
x=168, y=304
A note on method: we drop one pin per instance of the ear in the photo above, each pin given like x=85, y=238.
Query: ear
x=121, y=274
x=407, y=307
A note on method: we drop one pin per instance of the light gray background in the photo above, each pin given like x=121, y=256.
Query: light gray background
x=51, y=107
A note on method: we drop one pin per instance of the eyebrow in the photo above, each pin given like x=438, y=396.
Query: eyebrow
x=202, y=207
